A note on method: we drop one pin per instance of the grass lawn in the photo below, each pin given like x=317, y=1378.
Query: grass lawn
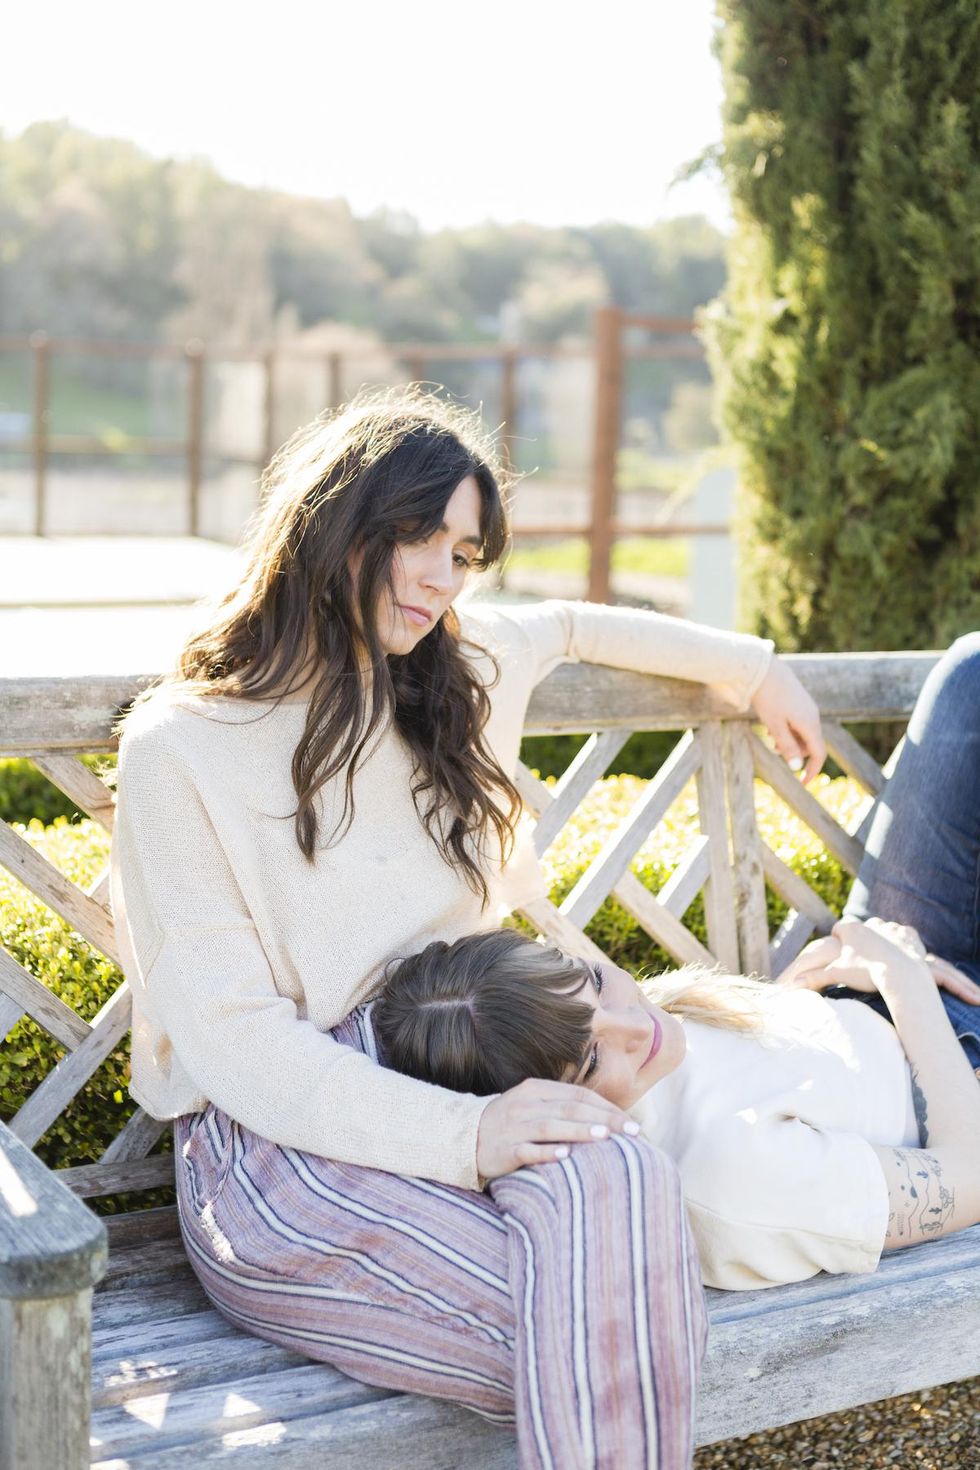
x=644, y=555
x=77, y=406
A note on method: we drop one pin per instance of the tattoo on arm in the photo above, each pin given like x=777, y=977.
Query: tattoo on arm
x=921, y=1109
x=921, y=1202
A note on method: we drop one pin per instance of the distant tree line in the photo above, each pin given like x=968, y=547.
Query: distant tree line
x=101, y=240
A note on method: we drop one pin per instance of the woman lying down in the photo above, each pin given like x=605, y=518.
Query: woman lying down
x=811, y=1134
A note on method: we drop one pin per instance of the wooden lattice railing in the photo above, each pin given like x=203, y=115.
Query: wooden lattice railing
x=53, y=721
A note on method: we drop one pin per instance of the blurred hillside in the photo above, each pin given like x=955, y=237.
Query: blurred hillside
x=101, y=240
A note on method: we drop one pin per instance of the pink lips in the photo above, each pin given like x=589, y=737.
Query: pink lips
x=658, y=1037
x=417, y=615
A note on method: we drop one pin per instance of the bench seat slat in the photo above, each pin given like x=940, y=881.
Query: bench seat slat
x=121, y=1340
x=126, y=1307
x=135, y=1226
x=186, y=1418
x=141, y=1264
x=119, y=1377
x=412, y=1433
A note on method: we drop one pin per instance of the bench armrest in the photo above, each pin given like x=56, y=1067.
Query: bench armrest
x=51, y=1244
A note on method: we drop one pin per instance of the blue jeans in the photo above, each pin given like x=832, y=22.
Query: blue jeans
x=922, y=861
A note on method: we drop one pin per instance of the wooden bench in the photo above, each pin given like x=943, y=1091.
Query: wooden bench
x=172, y=1383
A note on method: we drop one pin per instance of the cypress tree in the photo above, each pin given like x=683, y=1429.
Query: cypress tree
x=847, y=344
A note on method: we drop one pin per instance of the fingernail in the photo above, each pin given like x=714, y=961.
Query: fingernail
x=631, y=1127
x=599, y=1130
x=561, y=1152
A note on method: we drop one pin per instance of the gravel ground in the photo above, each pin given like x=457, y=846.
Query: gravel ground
x=937, y=1429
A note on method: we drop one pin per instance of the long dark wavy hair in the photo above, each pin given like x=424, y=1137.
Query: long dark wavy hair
x=357, y=483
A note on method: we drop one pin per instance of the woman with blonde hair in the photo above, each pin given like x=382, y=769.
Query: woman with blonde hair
x=325, y=783
x=811, y=1132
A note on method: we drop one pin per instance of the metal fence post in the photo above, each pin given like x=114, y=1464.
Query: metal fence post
x=268, y=406
x=508, y=403
x=41, y=349
x=195, y=434
x=608, y=411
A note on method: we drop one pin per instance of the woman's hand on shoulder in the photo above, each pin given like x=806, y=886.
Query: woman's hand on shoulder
x=791, y=716
x=535, y=1122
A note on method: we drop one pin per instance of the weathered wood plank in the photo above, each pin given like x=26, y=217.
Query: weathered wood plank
x=86, y=790
x=42, y=877
x=136, y=1139
x=10, y=1014
x=719, y=893
x=576, y=783
x=748, y=880
x=74, y=714
x=846, y=687
x=123, y=1377
x=775, y=772
x=74, y=1070
x=50, y=1245
x=77, y=713
x=659, y=922
x=167, y=1335
x=404, y=1430
x=159, y=1223
x=687, y=879
x=45, y=1343
x=615, y=856
x=535, y=795
x=143, y=1262
x=34, y=998
x=796, y=891
x=794, y=932
x=553, y=924
x=90, y=1180
x=852, y=757
x=826, y=1353
x=188, y=1416
x=143, y=1309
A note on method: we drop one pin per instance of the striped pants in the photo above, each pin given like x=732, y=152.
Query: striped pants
x=567, y=1302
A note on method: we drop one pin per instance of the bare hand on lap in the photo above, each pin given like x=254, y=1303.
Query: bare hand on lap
x=535, y=1122
x=791, y=716
x=817, y=966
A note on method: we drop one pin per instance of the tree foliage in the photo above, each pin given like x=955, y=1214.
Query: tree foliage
x=849, y=341
x=100, y=240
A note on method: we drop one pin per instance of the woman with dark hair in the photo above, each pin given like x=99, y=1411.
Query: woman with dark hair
x=324, y=783
x=811, y=1133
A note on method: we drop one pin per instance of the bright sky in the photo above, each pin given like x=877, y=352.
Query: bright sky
x=557, y=111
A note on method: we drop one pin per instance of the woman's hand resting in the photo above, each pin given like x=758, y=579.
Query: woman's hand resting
x=845, y=956
x=791, y=716
x=535, y=1122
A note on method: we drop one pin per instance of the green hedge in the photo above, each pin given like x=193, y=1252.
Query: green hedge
x=47, y=947
x=642, y=755
x=26, y=795
x=84, y=979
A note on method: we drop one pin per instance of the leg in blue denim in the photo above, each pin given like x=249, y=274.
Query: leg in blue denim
x=922, y=861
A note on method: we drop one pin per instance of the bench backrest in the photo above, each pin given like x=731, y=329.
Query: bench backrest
x=53, y=721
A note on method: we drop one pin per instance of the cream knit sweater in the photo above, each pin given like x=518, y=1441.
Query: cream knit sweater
x=242, y=955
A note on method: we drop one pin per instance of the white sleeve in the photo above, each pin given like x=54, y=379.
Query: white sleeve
x=646, y=642
x=776, y=1200
x=203, y=985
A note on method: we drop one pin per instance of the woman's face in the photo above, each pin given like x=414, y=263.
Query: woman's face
x=428, y=574
x=634, y=1042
